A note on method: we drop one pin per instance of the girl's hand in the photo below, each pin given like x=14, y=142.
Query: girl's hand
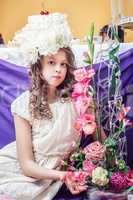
x=75, y=186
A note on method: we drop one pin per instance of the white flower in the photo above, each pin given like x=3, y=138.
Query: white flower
x=100, y=176
x=33, y=55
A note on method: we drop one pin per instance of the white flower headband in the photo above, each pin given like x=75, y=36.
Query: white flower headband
x=44, y=36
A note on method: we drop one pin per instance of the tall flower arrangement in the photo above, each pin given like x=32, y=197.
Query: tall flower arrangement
x=105, y=168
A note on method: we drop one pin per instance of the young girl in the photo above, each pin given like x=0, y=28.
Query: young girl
x=44, y=118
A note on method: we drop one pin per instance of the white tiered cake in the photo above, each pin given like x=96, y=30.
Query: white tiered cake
x=37, y=24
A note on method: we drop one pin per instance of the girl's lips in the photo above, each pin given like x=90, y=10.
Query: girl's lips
x=57, y=77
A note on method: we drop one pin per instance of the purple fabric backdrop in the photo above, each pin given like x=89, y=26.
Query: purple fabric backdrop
x=14, y=80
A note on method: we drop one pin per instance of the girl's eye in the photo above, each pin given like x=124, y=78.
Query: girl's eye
x=64, y=64
x=51, y=62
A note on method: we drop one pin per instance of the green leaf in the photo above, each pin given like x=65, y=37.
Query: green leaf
x=88, y=59
x=92, y=52
x=113, y=84
x=92, y=32
x=110, y=142
x=89, y=41
x=115, y=50
x=91, y=44
x=130, y=189
x=114, y=58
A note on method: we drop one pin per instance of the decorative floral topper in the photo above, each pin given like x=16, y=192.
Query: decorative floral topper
x=48, y=33
x=33, y=55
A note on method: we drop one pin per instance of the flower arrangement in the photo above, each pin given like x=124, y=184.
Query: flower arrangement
x=105, y=169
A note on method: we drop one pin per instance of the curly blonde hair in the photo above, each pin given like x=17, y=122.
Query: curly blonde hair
x=38, y=104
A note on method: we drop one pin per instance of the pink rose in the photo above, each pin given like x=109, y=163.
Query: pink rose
x=88, y=167
x=95, y=151
x=77, y=176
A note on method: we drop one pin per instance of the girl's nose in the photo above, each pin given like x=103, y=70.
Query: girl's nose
x=58, y=68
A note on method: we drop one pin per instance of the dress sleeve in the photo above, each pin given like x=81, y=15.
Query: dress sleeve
x=20, y=106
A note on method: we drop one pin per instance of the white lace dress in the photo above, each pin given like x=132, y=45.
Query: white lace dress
x=52, y=140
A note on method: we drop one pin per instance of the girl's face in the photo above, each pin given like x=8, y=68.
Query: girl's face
x=55, y=68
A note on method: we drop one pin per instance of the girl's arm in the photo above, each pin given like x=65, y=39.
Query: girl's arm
x=25, y=154
x=26, y=158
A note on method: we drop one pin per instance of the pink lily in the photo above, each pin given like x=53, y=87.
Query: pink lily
x=83, y=121
x=83, y=75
